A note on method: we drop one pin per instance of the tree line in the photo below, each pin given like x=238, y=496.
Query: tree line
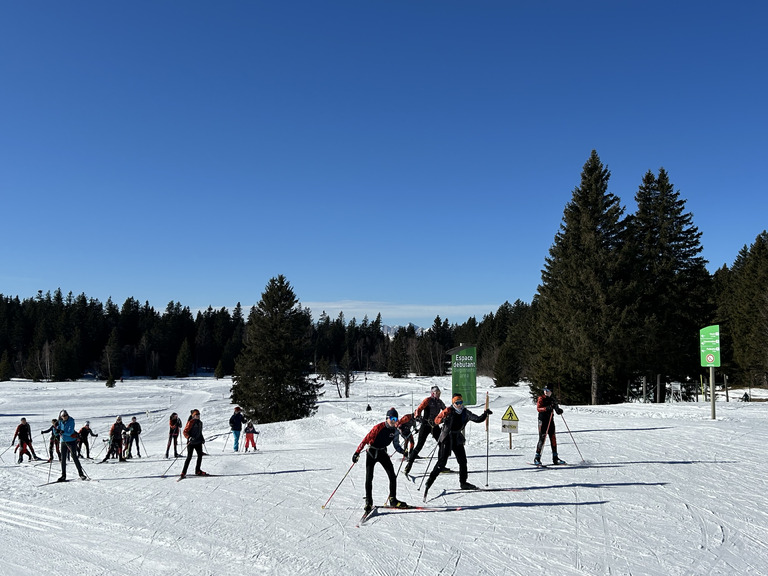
x=621, y=299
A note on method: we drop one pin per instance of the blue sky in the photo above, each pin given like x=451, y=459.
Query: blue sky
x=405, y=157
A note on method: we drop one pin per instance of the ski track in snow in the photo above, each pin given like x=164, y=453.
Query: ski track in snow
x=664, y=491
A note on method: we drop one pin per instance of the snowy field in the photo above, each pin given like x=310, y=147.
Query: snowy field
x=663, y=490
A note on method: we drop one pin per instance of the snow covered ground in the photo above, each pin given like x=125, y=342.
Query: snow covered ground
x=662, y=490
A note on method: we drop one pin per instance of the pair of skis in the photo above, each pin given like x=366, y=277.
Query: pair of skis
x=408, y=508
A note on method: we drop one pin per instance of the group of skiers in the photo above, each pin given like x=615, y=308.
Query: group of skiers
x=122, y=438
x=236, y=422
x=24, y=434
x=446, y=425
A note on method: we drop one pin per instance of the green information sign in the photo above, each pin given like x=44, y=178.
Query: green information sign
x=464, y=373
x=709, y=344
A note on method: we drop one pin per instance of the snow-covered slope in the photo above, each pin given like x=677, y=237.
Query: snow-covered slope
x=662, y=490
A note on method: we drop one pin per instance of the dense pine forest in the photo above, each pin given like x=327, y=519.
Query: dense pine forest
x=622, y=298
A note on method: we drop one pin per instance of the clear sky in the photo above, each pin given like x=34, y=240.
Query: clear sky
x=405, y=157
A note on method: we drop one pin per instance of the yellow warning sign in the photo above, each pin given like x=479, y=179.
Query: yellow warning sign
x=510, y=414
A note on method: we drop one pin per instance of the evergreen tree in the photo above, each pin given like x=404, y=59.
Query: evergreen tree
x=508, y=366
x=398, y=355
x=6, y=370
x=184, y=360
x=749, y=312
x=583, y=297
x=112, y=363
x=672, y=280
x=271, y=380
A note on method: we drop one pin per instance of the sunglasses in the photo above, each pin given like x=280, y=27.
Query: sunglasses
x=459, y=402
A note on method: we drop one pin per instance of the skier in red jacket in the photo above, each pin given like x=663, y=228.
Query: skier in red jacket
x=378, y=439
x=547, y=406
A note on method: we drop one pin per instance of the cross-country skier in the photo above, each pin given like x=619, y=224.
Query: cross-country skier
x=377, y=440
x=54, y=441
x=24, y=434
x=426, y=412
x=236, y=422
x=174, y=428
x=83, y=435
x=193, y=432
x=454, y=418
x=250, y=435
x=66, y=429
x=547, y=406
x=116, y=440
x=133, y=429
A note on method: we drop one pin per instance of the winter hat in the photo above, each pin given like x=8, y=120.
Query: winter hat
x=547, y=389
x=391, y=413
x=87, y=422
x=435, y=390
x=237, y=408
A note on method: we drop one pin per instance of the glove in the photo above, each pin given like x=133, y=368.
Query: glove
x=559, y=410
x=488, y=412
x=355, y=457
x=97, y=435
x=418, y=419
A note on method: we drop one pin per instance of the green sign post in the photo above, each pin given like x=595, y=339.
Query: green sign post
x=709, y=346
x=464, y=373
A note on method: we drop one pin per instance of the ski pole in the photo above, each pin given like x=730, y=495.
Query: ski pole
x=6, y=450
x=431, y=455
x=226, y=440
x=169, y=467
x=487, y=442
x=572, y=438
x=146, y=454
x=337, y=487
x=49, y=469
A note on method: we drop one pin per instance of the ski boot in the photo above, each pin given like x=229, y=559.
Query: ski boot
x=62, y=479
x=537, y=460
x=467, y=486
x=201, y=473
x=395, y=503
x=368, y=507
x=556, y=460
x=83, y=477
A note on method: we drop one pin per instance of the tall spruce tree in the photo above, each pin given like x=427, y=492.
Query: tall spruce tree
x=748, y=311
x=673, y=282
x=583, y=299
x=271, y=380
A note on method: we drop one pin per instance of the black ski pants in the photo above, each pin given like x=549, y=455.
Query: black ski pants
x=191, y=448
x=547, y=428
x=425, y=431
x=450, y=444
x=374, y=455
x=69, y=447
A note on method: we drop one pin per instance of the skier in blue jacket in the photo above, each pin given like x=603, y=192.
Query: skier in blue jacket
x=66, y=427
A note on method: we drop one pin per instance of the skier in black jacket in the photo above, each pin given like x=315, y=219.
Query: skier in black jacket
x=453, y=420
x=193, y=432
x=134, y=429
x=236, y=422
x=82, y=439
